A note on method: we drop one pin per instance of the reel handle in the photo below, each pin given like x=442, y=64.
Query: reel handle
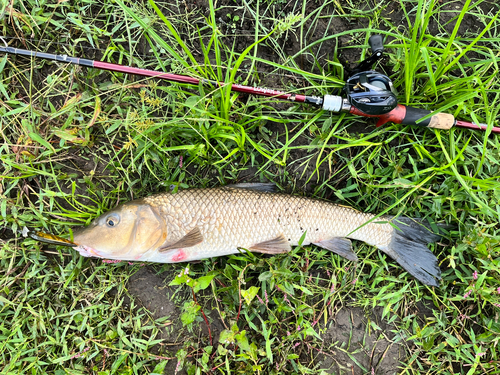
x=376, y=43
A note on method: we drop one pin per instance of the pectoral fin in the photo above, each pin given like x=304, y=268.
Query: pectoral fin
x=339, y=245
x=275, y=246
x=193, y=238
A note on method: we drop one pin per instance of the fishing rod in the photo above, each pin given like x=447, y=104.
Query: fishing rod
x=367, y=93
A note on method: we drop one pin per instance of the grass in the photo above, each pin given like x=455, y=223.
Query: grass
x=75, y=142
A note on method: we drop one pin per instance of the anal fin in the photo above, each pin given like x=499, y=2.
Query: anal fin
x=339, y=245
x=192, y=238
x=277, y=245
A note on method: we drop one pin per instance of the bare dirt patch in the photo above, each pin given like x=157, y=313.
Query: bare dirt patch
x=362, y=343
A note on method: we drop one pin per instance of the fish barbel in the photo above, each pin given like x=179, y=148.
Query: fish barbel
x=196, y=224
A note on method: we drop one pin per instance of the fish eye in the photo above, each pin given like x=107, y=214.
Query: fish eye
x=112, y=221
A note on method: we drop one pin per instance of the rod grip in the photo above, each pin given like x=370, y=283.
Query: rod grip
x=409, y=116
x=437, y=121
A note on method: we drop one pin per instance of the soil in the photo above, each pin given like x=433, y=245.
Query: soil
x=358, y=347
x=151, y=291
x=355, y=342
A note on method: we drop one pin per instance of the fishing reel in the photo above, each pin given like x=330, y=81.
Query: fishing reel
x=367, y=90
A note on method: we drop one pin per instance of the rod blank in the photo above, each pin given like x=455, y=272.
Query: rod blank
x=165, y=76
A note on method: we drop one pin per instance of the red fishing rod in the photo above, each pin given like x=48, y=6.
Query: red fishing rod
x=367, y=93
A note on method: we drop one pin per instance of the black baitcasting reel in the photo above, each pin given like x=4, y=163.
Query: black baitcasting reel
x=367, y=90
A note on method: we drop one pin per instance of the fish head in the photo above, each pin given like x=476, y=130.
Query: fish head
x=125, y=233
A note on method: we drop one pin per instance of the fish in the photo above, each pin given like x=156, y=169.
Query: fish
x=200, y=223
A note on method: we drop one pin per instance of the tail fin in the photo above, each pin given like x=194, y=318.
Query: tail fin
x=408, y=248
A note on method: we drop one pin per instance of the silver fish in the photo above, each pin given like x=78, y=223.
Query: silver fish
x=204, y=223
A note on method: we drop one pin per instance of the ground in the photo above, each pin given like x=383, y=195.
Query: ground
x=78, y=142
x=354, y=341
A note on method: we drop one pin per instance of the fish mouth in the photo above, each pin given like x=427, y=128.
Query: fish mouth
x=87, y=251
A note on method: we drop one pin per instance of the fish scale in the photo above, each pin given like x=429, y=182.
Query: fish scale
x=196, y=224
x=243, y=218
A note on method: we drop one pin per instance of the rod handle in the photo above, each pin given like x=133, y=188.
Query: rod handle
x=409, y=116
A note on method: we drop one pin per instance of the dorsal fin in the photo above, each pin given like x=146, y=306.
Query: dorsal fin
x=257, y=186
x=275, y=246
x=192, y=238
